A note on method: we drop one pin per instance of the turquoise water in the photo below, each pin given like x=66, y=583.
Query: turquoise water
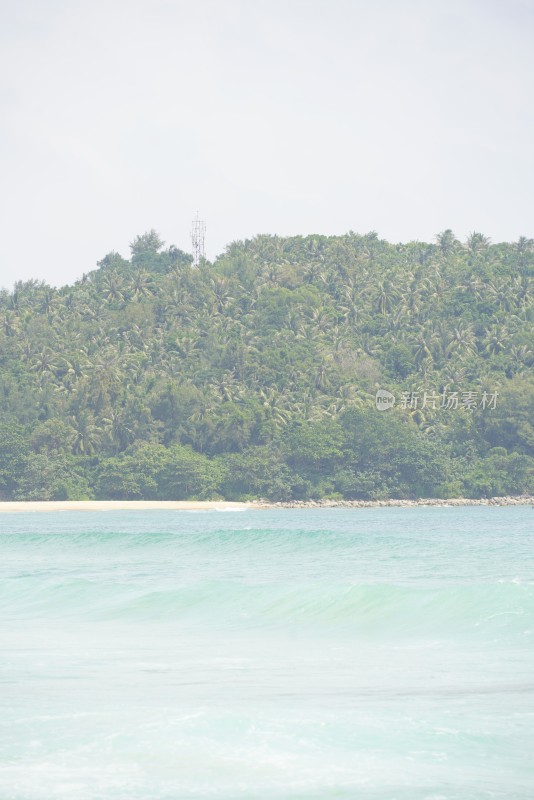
x=287, y=655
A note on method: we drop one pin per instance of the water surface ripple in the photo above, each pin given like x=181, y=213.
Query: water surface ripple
x=385, y=654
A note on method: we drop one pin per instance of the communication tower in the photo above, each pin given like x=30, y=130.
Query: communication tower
x=198, y=237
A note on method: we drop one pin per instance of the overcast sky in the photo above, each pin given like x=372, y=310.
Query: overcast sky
x=285, y=116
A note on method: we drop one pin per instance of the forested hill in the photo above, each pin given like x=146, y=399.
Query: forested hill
x=256, y=376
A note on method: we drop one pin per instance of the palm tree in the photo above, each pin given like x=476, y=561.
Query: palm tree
x=346, y=396
x=321, y=318
x=88, y=434
x=271, y=273
x=275, y=406
x=113, y=288
x=10, y=323
x=495, y=340
x=311, y=272
x=524, y=245
x=351, y=305
x=118, y=429
x=521, y=356
x=474, y=286
x=522, y=287
x=454, y=377
x=45, y=364
x=308, y=333
x=446, y=241
x=477, y=243
x=423, y=349
x=141, y=285
x=385, y=297
x=321, y=381
x=501, y=294
x=293, y=319
x=72, y=369
x=226, y=387
x=462, y=340
x=221, y=292
x=412, y=299
x=308, y=406
x=105, y=377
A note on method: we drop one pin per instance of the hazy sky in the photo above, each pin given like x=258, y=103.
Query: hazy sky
x=286, y=116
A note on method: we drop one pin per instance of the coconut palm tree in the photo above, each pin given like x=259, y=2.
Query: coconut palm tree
x=522, y=289
x=462, y=341
x=118, y=429
x=524, y=245
x=446, y=242
x=477, y=243
x=495, y=340
x=221, y=293
x=113, y=289
x=141, y=285
x=10, y=323
x=501, y=295
x=385, y=297
x=423, y=349
x=88, y=433
x=275, y=405
x=45, y=364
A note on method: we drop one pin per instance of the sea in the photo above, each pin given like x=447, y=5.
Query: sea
x=285, y=654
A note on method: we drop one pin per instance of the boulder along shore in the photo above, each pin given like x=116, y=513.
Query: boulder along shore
x=522, y=500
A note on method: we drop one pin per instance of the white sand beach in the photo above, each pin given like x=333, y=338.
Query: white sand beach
x=14, y=506
x=122, y=505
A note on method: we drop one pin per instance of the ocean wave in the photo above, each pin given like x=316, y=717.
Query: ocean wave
x=365, y=608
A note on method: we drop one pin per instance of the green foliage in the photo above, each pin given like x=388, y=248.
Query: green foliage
x=511, y=424
x=500, y=473
x=314, y=449
x=259, y=472
x=256, y=375
x=14, y=451
x=57, y=477
x=387, y=449
x=52, y=437
x=133, y=475
x=187, y=474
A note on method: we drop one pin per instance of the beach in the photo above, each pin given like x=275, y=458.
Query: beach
x=13, y=506
x=9, y=507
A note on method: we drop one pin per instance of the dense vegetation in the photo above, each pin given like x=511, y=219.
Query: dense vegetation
x=255, y=376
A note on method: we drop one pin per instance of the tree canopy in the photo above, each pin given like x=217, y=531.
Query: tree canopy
x=256, y=375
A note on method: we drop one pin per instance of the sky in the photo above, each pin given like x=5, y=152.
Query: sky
x=266, y=116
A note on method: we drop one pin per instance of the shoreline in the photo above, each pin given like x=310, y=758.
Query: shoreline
x=22, y=506
x=28, y=506
x=520, y=500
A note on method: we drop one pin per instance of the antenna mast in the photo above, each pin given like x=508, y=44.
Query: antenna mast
x=198, y=236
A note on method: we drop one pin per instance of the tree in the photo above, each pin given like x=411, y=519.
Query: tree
x=477, y=243
x=188, y=475
x=314, y=449
x=135, y=474
x=14, y=452
x=148, y=243
x=511, y=423
x=56, y=477
x=446, y=241
x=389, y=446
x=52, y=437
x=259, y=471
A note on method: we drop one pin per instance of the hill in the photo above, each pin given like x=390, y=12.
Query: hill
x=256, y=375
